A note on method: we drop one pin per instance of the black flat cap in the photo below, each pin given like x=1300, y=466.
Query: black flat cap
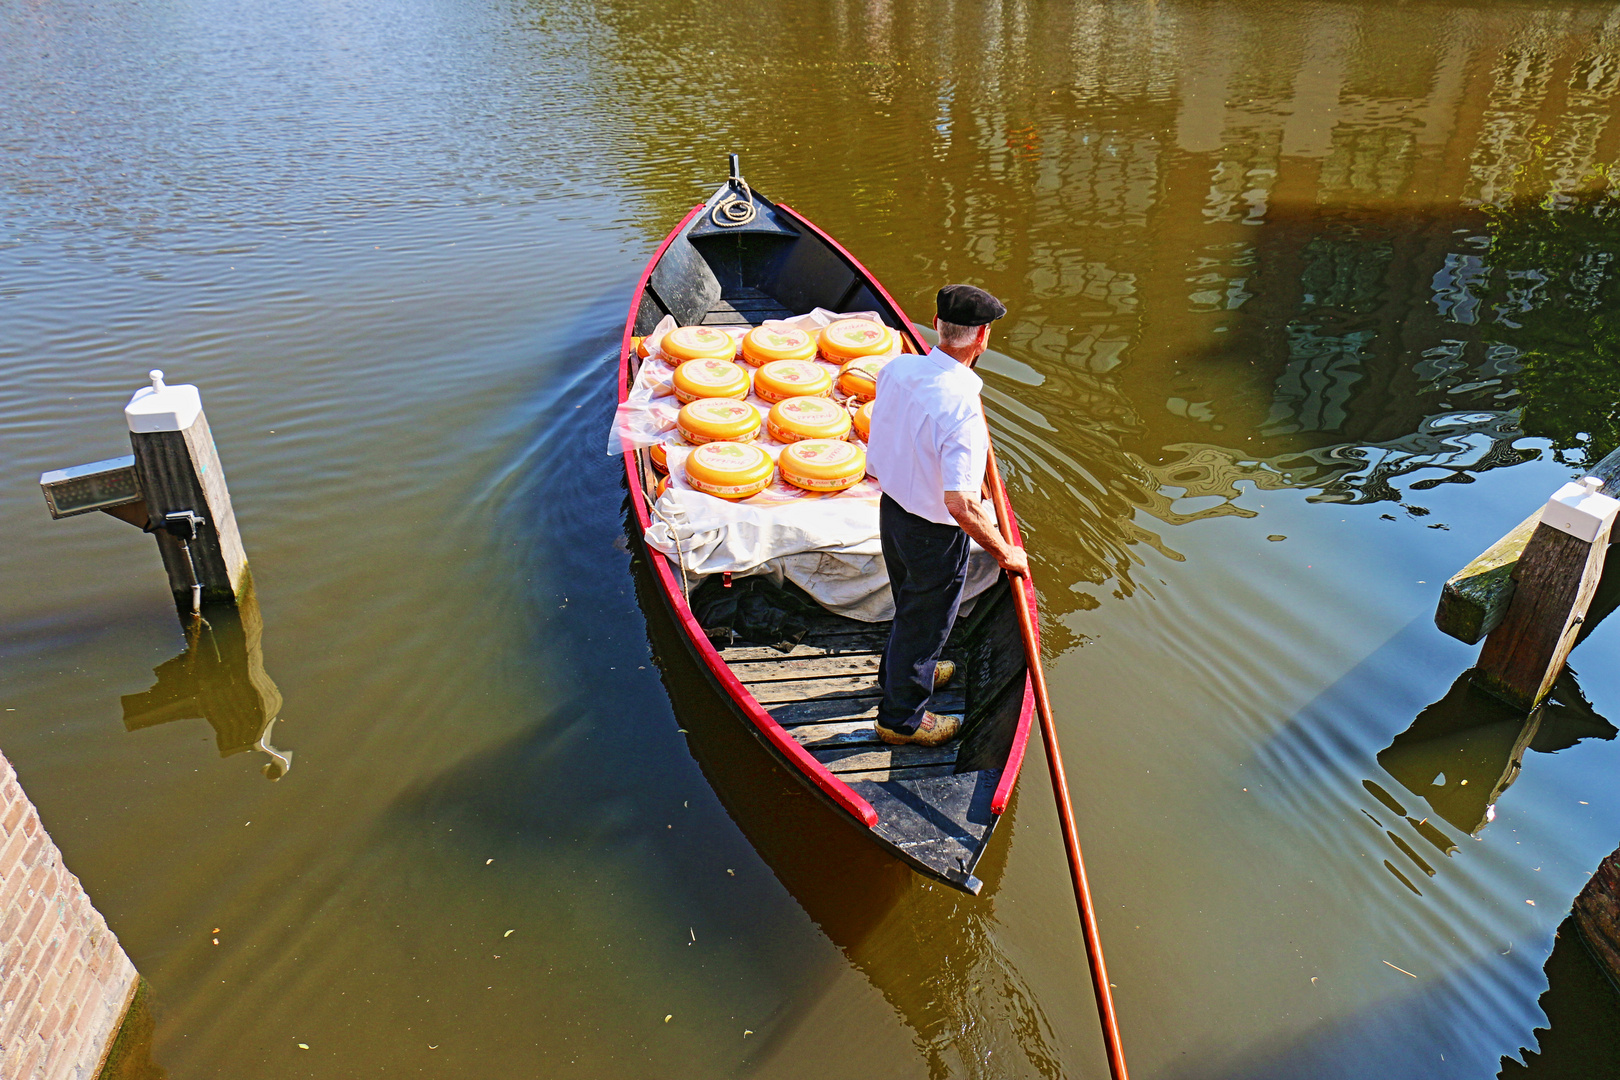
x=966, y=305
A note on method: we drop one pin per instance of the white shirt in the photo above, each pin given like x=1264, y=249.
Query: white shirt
x=928, y=433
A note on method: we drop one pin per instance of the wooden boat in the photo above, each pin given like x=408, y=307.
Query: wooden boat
x=737, y=260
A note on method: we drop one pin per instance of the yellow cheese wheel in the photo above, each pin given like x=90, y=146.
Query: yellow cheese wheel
x=863, y=422
x=698, y=343
x=848, y=339
x=709, y=420
x=823, y=464
x=763, y=344
x=660, y=457
x=791, y=378
x=798, y=418
x=709, y=379
x=661, y=487
x=859, y=377
x=731, y=470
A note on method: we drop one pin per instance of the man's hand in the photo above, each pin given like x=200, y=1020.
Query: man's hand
x=969, y=513
x=1015, y=562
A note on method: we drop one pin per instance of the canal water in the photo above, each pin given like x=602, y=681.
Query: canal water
x=1307, y=306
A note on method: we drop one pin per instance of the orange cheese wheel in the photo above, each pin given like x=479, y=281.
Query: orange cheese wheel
x=709, y=379
x=763, y=344
x=660, y=457
x=798, y=418
x=709, y=420
x=731, y=470
x=823, y=464
x=698, y=343
x=848, y=339
x=859, y=377
x=863, y=422
x=791, y=378
x=660, y=487
x=639, y=344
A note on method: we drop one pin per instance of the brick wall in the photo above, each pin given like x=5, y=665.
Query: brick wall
x=64, y=981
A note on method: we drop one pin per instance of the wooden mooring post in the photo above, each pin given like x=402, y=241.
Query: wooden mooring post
x=1529, y=593
x=173, y=487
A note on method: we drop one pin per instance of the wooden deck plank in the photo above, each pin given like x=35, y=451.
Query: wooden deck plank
x=806, y=667
x=880, y=776
x=842, y=759
x=790, y=714
x=836, y=733
x=770, y=693
x=816, y=645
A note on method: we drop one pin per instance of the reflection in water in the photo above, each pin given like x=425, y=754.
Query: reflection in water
x=931, y=952
x=220, y=678
x=1582, y=1028
x=1465, y=750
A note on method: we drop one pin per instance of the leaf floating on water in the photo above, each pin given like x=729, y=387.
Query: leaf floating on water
x=509, y=933
x=733, y=873
x=746, y=1033
x=1402, y=970
x=668, y=1018
x=488, y=861
x=1274, y=537
x=303, y=1046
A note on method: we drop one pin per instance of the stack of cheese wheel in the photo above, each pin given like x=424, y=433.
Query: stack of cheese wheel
x=731, y=470
x=863, y=422
x=798, y=418
x=823, y=465
x=709, y=378
x=858, y=378
x=851, y=339
x=698, y=343
x=782, y=379
x=764, y=344
x=717, y=420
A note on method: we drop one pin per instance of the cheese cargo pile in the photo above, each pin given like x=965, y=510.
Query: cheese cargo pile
x=764, y=344
x=781, y=379
x=709, y=378
x=807, y=418
x=730, y=470
x=823, y=465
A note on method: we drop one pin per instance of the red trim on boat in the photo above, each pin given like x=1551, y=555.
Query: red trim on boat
x=1026, y=717
x=818, y=774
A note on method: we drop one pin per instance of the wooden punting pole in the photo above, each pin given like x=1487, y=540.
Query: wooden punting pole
x=1021, y=587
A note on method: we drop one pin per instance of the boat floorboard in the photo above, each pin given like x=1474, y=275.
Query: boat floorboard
x=825, y=692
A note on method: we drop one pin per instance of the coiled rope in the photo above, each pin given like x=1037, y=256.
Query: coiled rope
x=735, y=209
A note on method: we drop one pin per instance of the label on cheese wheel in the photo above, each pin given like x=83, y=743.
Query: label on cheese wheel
x=717, y=419
x=698, y=342
x=791, y=378
x=856, y=337
x=729, y=470
x=709, y=378
x=807, y=418
x=823, y=464
x=764, y=344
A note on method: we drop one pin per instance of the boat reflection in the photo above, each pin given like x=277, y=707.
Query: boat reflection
x=929, y=950
x=219, y=678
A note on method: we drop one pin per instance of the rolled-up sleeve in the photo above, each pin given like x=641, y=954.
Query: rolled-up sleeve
x=962, y=456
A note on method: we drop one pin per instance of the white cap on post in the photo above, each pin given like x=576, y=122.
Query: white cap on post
x=1580, y=509
x=160, y=407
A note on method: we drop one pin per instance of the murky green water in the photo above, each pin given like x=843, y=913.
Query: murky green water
x=1282, y=277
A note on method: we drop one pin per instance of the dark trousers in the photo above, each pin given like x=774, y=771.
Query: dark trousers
x=927, y=565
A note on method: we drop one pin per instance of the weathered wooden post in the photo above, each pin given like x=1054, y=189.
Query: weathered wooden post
x=1554, y=581
x=1597, y=917
x=187, y=502
x=173, y=486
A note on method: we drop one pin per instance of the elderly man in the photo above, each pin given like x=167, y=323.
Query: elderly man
x=928, y=451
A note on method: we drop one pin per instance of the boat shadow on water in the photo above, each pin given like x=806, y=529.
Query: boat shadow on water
x=930, y=950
